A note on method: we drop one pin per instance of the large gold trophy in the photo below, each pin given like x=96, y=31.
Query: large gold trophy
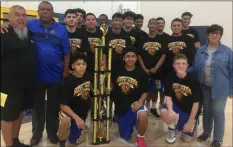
x=102, y=70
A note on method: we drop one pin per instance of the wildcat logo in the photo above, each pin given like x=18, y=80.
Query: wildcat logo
x=83, y=90
x=133, y=40
x=176, y=47
x=151, y=47
x=118, y=45
x=75, y=44
x=126, y=84
x=191, y=35
x=181, y=91
x=94, y=42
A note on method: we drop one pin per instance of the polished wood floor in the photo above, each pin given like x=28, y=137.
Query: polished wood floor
x=155, y=135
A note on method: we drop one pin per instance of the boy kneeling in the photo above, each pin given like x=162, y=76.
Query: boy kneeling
x=130, y=85
x=182, y=97
x=75, y=102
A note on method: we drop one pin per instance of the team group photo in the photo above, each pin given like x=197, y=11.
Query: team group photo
x=115, y=79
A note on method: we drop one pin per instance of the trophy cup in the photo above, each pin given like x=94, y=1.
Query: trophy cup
x=101, y=93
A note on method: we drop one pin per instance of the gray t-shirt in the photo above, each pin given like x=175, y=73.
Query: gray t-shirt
x=207, y=71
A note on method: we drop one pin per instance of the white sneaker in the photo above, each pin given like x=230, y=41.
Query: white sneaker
x=171, y=136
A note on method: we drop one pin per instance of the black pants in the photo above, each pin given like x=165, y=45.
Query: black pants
x=50, y=113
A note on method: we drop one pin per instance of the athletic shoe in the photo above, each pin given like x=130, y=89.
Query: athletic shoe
x=203, y=137
x=17, y=143
x=216, y=143
x=171, y=136
x=154, y=113
x=86, y=129
x=140, y=142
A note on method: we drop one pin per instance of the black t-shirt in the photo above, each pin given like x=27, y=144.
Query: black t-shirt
x=184, y=92
x=151, y=49
x=128, y=87
x=78, y=42
x=182, y=44
x=18, y=61
x=94, y=40
x=117, y=42
x=165, y=37
x=134, y=37
x=75, y=93
x=192, y=33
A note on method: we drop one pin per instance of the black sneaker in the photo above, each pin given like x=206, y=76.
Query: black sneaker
x=216, y=143
x=155, y=114
x=17, y=143
x=53, y=139
x=203, y=137
x=35, y=140
x=62, y=143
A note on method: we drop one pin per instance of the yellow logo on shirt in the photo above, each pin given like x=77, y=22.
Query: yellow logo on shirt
x=177, y=46
x=191, y=35
x=126, y=84
x=133, y=39
x=181, y=90
x=151, y=47
x=83, y=90
x=94, y=42
x=118, y=45
x=75, y=44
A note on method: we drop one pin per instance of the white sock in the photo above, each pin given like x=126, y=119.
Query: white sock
x=153, y=105
x=140, y=135
x=172, y=126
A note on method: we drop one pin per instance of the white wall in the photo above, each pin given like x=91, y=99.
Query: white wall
x=205, y=13
x=106, y=7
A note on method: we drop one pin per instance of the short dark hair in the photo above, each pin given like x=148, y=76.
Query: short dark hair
x=177, y=19
x=104, y=15
x=213, y=28
x=79, y=10
x=186, y=14
x=78, y=56
x=130, y=48
x=160, y=18
x=179, y=56
x=139, y=16
x=70, y=11
x=152, y=19
x=45, y=2
x=117, y=15
x=129, y=14
x=90, y=14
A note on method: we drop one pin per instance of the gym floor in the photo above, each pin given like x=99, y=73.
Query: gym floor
x=155, y=136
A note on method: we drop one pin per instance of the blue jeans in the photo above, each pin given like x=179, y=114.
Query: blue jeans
x=213, y=112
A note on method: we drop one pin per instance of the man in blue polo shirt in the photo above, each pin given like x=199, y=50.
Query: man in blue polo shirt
x=53, y=55
x=53, y=49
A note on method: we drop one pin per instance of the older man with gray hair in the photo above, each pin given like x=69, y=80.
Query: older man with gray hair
x=18, y=75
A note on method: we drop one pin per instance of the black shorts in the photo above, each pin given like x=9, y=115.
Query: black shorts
x=17, y=101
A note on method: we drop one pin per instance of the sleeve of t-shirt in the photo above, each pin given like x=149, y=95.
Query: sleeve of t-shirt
x=191, y=51
x=164, y=48
x=196, y=91
x=85, y=45
x=196, y=36
x=168, y=85
x=144, y=80
x=66, y=43
x=66, y=92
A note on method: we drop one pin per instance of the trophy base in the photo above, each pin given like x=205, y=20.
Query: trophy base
x=102, y=141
